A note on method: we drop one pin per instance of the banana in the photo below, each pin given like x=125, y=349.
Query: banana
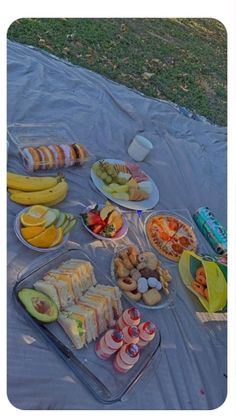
x=10, y=190
x=41, y=197
x=31, y=183
x=56, y=201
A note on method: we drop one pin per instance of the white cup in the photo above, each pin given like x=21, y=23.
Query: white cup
x=139, y=148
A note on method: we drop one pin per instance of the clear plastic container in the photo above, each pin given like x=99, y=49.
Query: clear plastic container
x=98, y=375
x=47, y=146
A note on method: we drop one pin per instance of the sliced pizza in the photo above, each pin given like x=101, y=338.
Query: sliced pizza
x=170, y=235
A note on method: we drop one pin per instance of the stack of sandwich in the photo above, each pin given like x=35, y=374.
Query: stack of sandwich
x=86, y=309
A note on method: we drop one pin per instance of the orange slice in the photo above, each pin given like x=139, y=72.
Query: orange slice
x=46, y=238
x=29, y=221
x=59, y=237
x=30, y=232
x=37, y=211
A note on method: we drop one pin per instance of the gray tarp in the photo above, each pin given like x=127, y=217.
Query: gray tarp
x=188, y=165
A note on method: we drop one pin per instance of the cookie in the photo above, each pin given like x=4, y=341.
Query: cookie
x=154, y=283
x=127, y=284
x=201, y=276
x=135, y=274
x=147, y=272
x=142, y=285
x=152, y=297
x=134, y=295
x=120, y=269
x=198, y=288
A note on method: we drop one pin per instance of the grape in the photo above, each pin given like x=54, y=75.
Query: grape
x=103, y=176
x=99, y=173
x=109, y=179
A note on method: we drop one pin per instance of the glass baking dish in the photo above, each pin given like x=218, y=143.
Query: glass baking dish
x=98, y=375
x=38, y=136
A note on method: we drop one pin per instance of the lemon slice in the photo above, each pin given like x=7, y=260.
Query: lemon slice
x=37, y=211
x=46, y=238
x=59, y=237
x=30, y=221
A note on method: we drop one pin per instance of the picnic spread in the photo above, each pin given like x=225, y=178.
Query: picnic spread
x=117, y=244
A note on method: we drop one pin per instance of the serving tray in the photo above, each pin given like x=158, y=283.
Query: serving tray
x=98, y=375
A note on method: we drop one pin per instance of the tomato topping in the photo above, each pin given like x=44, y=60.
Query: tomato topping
x=163, y=235
x=173, y=225
x=177, y=248
x=184, y=241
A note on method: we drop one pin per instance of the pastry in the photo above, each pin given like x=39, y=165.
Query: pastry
x=133, y=255
x=125, y=259
x=130, y=317
x=206, y=295
x=135, y=274
x=31, y=158
x=58, y=155
x=149, y=259
x=121, y=270
x=201, y=276
x=110, y=343
x=170, y=235
x=141, y=265
x=198, y=288
x=69, y=154
x=47, y=157
x=127, y=284
x=152, y=297
x=134, y=295
x=147, y=272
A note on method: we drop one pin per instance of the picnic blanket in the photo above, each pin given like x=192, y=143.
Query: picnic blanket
x=188, y=164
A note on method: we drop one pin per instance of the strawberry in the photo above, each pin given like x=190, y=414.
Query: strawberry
x=91, y=218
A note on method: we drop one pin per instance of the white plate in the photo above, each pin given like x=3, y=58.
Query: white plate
x=166, y=299
x=135, y=205
x=17, y=226
x=119, y=235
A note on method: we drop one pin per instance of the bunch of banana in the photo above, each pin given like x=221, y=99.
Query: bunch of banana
x=31, y=190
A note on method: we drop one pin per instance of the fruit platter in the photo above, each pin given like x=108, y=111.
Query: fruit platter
x=125, y=184
x=105, y=222
x=42, y=228
x=141, y=277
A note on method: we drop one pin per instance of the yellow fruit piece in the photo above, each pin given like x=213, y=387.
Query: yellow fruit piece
x=46, y=238
x=30, y=232
x=37, y=211
x=28, y=221
x=116, y=219
x=59, y=237
x=41, y=197
x=10, y=190
x=31, y=183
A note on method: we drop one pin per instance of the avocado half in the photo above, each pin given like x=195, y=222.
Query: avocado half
x=38, y=305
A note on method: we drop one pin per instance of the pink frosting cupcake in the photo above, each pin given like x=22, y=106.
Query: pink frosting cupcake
x=130, y=317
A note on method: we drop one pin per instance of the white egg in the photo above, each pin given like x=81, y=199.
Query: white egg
x=154, y=283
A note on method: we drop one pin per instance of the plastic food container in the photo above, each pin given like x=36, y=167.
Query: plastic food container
x=139, y=148
x=47, y=146
x=98, y=375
